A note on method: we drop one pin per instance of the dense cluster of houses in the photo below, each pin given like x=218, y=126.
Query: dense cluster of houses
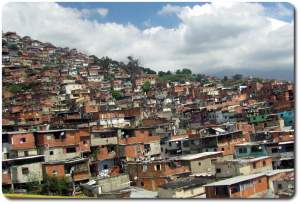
x=176, y=140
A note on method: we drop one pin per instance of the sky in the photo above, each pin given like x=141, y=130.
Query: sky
x=211, y=38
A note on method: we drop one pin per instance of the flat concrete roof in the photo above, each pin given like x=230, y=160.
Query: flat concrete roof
x=24, y=158
x=247, y=160
x=276, y=171
x=287, y=142
x=67, y=161
x=178, y=139
x=195, y=156
x=16, y=132
x=59, y=130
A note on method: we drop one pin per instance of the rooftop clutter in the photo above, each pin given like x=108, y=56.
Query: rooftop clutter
x=108, y=129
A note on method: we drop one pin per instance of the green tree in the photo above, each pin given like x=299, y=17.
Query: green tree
x=15, y=88
x=146, y=86
x=257, y=79
x=161, y=73
x=237, y=77
x=149, y=71
x=200, y=77
x=33, y=185
x=55, y=186
x=186, y=71
x=116, y=94
x=133, y=62
x=105, y=62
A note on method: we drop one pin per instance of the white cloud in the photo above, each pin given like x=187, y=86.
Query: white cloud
x=169, y=9
x=102, y=11
x=91, y=13
x=209, y=37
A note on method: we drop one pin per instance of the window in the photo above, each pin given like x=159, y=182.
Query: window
x=25, y=171
x=54, y=173
x=71, y=150
x=105, y=166
x=246, y=185
x=235, y=189
x=110, y=148
x=242, y=150
x=170, y=144
x=222, y=191
x=138, y=149
x=274, y=150
x=264, y=163
x=186, y=144
x=22, y=140
x=199, y=163
x=289, y=148
x=222, y=148
x=218, y=170
x=254, y=165
x=26, y=153
x=147, y=148
x=256, y=149
x=51, y=152
x=84, y=142
x=279, y=186
x=56, y=136
x=59, y=135
x=157, y=167
x=259, y=180
x=142, y=183
x=145, y=167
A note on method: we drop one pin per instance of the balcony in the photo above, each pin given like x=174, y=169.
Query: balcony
x=139, y=139
x=98, y=141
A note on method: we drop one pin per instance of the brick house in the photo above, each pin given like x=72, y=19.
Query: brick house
x=151, y=174
x=76, y=169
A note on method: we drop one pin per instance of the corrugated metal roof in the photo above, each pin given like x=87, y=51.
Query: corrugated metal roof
x=236, y=179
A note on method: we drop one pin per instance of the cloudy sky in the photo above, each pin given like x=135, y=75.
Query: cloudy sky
x=213, y=38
